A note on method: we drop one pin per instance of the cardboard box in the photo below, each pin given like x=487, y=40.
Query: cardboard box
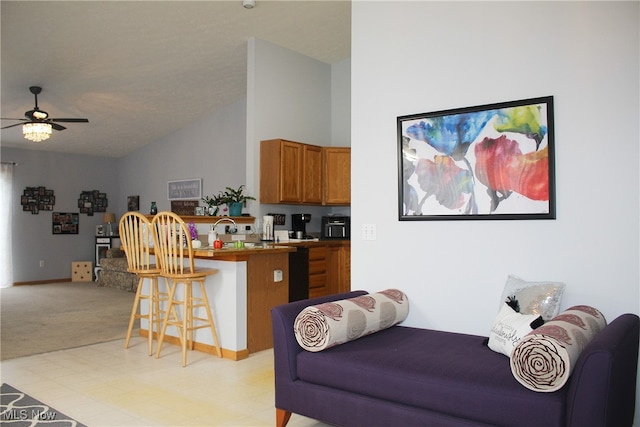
x=82, y=271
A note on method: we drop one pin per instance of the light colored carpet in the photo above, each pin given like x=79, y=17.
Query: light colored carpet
x=55, y=316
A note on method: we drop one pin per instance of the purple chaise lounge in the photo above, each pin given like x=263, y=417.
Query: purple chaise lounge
x=405, y=376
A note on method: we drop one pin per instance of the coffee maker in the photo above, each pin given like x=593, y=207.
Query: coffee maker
x=299, y=225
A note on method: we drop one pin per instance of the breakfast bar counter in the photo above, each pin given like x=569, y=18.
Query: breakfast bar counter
x=249, y=282
x=241, y=254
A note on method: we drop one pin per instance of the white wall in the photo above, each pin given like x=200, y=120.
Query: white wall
x=584, y=54
x=438, y=55
x=341, y=103
x=212, y=148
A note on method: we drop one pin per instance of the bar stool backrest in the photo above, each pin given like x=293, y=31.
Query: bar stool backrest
x=135, y=236
x=173, y=246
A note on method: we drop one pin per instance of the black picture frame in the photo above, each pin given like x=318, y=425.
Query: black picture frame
x=133, y=203
x=65, y=222
x=36, y=199
x=92, y=201
x=486, y=162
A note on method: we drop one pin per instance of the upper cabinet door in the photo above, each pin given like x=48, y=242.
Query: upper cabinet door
x=337, y=175
x=280, y=171
x=291, y=169
x=312, y=174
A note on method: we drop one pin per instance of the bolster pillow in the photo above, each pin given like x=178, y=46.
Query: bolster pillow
x=544, y=359
x=322, y=326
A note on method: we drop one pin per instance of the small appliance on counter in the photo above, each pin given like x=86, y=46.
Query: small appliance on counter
x=337, y=227
x=299, y=225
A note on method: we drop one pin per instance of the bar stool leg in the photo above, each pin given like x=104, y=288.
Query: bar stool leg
x=134, y=313
x=157, y=317
x=185, y=325
x=152, y=297
x=212, y=324
x=170, y=310
x=190, y=339
x=186, y=322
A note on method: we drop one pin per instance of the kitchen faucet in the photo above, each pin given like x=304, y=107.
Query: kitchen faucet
x=212, y=235
x=213, y=227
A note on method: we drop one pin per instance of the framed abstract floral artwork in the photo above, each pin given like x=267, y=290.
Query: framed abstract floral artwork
x=491, y=161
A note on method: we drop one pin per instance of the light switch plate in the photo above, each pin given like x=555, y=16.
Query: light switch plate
x=368, y=232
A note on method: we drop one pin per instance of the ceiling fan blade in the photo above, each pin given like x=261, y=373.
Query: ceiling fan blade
x=10, y=126
x=4, y=118
x=70, y=120
x=53, y=125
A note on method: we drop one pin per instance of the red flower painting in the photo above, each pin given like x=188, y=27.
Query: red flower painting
x=502, y=167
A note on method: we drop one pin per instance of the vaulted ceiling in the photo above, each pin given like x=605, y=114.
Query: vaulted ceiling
x=140, y=70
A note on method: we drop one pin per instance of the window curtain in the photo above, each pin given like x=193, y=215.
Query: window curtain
x=6, y=259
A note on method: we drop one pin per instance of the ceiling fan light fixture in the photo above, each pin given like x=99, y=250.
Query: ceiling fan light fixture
x=40, y=114
x=36, y=132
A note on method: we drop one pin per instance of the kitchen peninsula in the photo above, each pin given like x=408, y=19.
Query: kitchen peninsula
x=249, y=282
x=253, y=279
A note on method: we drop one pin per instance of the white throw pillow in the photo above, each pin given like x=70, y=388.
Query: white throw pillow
x=541, y=298
x=509, y=328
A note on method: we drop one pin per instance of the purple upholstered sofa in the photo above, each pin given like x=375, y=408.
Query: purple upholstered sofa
x=406, y=376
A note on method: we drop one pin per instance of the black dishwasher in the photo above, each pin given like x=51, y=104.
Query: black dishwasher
x=299, y=274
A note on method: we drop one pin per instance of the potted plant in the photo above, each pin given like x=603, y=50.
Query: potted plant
x=235, y=199
x=213, y=203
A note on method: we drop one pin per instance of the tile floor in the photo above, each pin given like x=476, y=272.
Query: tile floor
x=106, y=385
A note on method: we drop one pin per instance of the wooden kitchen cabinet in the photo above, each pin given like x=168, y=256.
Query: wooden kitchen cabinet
x=337, y=175
x=264, y=293
x=296, y=173
x=290, y=172
x=329, y=268
x=280, y=171
x=344, y=283
x=312, y=183
x=318, y=272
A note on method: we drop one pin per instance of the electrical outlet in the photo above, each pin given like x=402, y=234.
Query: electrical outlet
x=368, y=232
x=41, y=263
x=277, y=275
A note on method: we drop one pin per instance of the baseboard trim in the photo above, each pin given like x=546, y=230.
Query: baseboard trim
x=42, y=282
x=205, y=348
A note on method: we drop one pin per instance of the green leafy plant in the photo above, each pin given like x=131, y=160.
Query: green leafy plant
x=235, y=196
x=214, y=201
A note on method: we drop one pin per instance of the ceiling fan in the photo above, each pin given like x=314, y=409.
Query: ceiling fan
x=38, y=124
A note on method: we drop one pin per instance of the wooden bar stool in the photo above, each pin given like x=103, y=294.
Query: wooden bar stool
x=135, y=235
x=173, y=248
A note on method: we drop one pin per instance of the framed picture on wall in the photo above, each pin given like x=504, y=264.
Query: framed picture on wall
x=65, y=222
x=185, y=189
x=491, y=161
x=133, y=203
